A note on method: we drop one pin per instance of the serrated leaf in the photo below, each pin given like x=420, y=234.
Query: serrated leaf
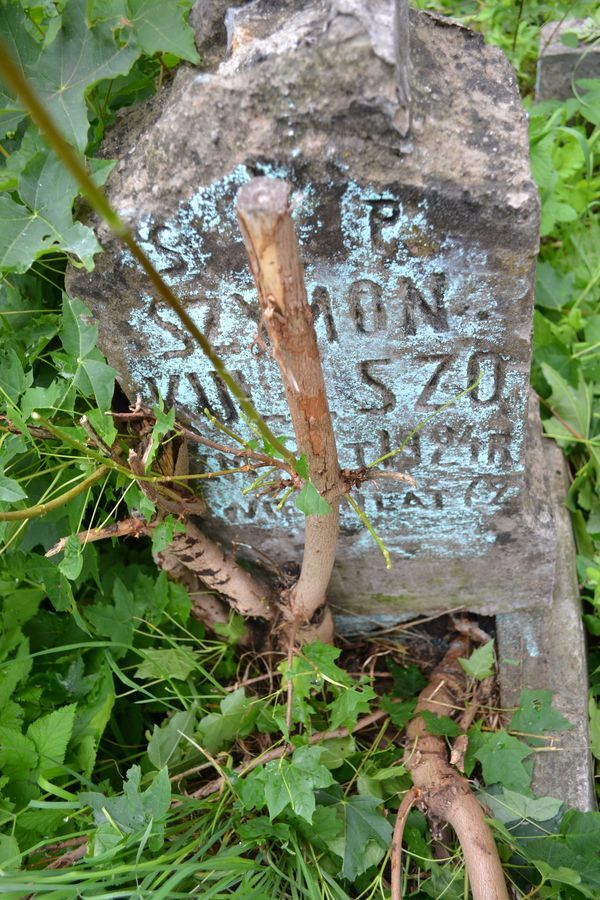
x=134, y=811
x=18, y=753
x=572, y=404
x=162, y=534
x=10, y=854
x=51, y=734
x=323, y=658
x=62, y=74
x=165, y=740
x=400, y=713
x=102, y=381
x=481, y=662
x=115, y=621
x=176, y=662
x=236, y=719
x=310, y=502
x=536, y=714
x=501, y=756
x=13, y=380
x=11, y=490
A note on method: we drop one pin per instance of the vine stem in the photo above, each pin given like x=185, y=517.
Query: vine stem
x=33, y=512
x=263, y=211
x=14, y=79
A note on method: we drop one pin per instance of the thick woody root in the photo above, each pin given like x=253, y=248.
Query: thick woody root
x=444, y=794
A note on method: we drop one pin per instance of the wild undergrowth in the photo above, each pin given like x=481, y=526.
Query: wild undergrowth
x=140, y=756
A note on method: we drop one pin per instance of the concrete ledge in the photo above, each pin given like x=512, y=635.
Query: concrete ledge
x=549, y=645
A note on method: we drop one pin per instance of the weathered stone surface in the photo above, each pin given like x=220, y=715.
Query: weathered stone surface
x=560, y=66
x=544, y=649
x=419, y=256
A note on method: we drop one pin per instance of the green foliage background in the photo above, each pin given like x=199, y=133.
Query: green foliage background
x=109, y=690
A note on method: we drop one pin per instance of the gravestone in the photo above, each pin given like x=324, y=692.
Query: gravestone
x=419, y=242
x=560, y=64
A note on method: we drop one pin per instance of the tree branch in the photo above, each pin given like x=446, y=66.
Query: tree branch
x=264, y=215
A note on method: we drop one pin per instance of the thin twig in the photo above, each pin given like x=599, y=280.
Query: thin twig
x=135, y=526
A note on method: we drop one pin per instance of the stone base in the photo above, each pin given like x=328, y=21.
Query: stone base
x=548, y=643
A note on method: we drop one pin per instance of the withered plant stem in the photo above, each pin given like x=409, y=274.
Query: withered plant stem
x=263, y=210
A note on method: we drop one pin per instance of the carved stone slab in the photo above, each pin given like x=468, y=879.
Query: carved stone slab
x=561, y=66
x=419, y=255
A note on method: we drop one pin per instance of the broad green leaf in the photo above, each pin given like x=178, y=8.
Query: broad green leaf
x=550, y=349
x=102, y=381
x=574, y=849
x=501, y=757
x=103, y=425
x=510, y=806
x=62, y=74
x=310, y=502
x=79, y=333
x=400, y=713
x=10, y=855
x=481, y=662
x=440, y=725
x=594, y=714
x=51, y=734
x=10, y=490
x=13, y=672
x=165, y=740
x=573, y=405
x=41, y=398
x=536, y=714
x=175, y=662
x=13, y=380
x=158, y=26
x=553, y=288
x=236, y=719
x=294, y=783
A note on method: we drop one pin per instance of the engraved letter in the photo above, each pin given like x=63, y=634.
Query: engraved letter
x=387, y=397
x=321, y=305
x=416, y=306
x=492, y=381
x=367, y=306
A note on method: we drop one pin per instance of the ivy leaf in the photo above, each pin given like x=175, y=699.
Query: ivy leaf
x=294, y=783
x=481, y=662
x=50, y=735
x=62, y=74
x=536, y=714
x=350, y=703
x=115, y=621
x=408, y=680
x=162, y=534
x=323, y=657
x=363, y=825
x=11, y=490
x=440, y=725
x=400, y=713
x=236, y=719
x=134, y=811
x=501, y=756
x=310, y=502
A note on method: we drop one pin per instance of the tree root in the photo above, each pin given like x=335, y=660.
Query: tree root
x=444, y=794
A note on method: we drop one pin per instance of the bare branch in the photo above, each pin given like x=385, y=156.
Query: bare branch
x=134, y=526
x=266, y=224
